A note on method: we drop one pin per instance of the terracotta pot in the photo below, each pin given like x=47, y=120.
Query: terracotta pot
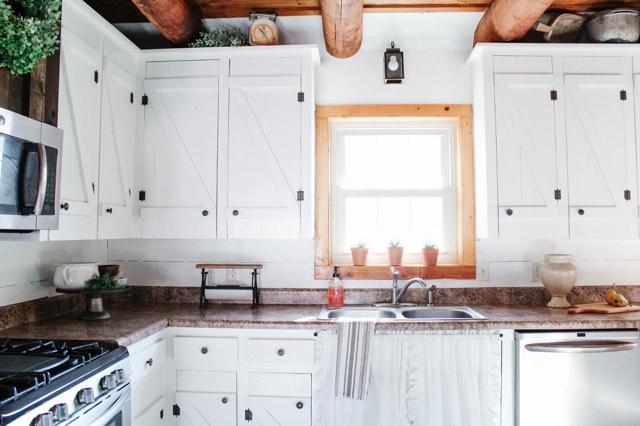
x=395, y=255
x=430, y=256
x=359, y=256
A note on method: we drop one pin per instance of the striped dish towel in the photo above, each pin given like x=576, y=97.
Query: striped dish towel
x=355, y=339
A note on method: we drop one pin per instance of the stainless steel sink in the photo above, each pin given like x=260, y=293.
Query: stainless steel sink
x=391, y=313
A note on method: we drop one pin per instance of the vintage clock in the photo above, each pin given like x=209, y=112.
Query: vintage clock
x=263, y=30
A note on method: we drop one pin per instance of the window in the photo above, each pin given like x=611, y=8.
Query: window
x=428, y=195
x=394, y=179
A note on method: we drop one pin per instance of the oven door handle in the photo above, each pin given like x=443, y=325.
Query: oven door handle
x=114, y=408
x=587, y=346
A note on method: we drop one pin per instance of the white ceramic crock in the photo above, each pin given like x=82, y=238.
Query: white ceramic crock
x=73, y=275
x=558, y=275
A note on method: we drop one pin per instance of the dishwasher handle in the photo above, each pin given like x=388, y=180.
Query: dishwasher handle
x=585, y=346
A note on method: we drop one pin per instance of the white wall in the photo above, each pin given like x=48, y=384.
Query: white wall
x=27, y=264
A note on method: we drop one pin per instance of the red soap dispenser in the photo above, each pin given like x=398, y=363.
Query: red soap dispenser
x=336, y=290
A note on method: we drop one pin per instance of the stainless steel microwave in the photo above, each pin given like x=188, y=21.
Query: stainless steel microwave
x=30, y=159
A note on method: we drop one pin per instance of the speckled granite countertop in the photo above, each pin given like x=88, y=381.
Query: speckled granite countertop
x=130, y=323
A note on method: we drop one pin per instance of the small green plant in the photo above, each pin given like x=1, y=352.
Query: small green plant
x=102, y=282
x=29, y=31
x=360, y=245
x=430, y=244
x=220, y=37
x=394, y=243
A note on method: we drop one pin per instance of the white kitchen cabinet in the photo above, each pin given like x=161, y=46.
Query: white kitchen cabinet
x=263, y=167
x=148, y=380
x=601, y=147
x=180, y=150
x=556, y=144
x=529, y=150
x=261, y=377
x=79, y=117
x=97, y=85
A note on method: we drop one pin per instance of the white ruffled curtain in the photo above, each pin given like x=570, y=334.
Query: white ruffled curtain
x=436, y=378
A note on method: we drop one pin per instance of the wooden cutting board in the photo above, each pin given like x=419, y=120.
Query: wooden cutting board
x=602, y=308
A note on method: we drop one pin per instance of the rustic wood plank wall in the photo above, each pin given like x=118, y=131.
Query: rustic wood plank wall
x=35, y=94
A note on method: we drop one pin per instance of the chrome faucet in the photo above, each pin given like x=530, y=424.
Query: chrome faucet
x=396, y=295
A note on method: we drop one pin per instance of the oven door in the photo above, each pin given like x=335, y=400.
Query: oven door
x=114, y=410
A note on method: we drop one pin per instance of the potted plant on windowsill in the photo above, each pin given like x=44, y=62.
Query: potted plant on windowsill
x=359, y=253
x=430, y=253
x=394, y=251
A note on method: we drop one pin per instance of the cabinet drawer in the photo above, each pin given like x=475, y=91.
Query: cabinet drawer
x=280, y=384
x=281, y=351
x=148, y=360
x=206, y=381
x=204, y=353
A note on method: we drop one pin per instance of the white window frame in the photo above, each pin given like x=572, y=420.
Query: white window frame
x=448, y=127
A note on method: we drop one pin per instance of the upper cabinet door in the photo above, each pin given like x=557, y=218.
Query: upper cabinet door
x=117, y=143
x=528, y=150
x=600, y=147
x=79, y=117
x=180, y=150
x=263, y=156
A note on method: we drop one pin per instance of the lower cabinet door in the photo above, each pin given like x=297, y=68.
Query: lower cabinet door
x=151, y=416
x=204, y=409
x=276, y=411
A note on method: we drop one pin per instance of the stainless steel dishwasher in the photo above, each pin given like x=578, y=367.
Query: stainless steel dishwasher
x=578, y=378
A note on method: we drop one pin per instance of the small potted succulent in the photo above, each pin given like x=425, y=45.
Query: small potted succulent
x=430, y=252
x=394, y=251
x=359, y=253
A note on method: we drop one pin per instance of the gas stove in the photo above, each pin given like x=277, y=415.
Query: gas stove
x=54, y=382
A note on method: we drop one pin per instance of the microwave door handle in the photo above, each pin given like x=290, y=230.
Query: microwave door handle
x=42, y=179
x=581, y=347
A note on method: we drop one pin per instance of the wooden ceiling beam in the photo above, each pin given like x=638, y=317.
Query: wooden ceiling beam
x=177, y=20
x=507, y=20
x=342, y=26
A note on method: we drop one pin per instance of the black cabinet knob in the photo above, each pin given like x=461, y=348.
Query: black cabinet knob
x=509, y=212
x=64, y=206
x=149, y=362
x=225, y=400
x=204, y=350
x=236, y=212
x=581, y=212
x=299, y=405
x=109, y=210
x=205, y=212
x=280, y=352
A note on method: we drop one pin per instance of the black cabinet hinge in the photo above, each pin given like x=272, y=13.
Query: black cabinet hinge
x=300, y=96
x=93, y=187
x=145, y=100
x=96, y=76
x=554, y=95
x=627, y=194
x=300, y=195
x=248, y=415
x=623, y=95
x=176, y=410
x=162, y=414
x=557, y=194
x=131, y=97
x=142, y=195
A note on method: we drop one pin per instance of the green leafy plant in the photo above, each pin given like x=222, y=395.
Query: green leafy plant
x=220, y=37
x=430, y=244
x=29, y=31
x=360, y=245
x=394, y=243
x=102, y=282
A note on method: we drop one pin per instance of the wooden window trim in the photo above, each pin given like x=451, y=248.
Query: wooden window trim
x=465, y=267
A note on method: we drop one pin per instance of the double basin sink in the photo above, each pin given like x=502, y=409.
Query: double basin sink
x=400, y=312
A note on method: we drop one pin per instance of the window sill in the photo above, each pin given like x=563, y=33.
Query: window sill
x=383, y=272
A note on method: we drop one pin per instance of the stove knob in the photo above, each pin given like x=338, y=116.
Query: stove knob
x=108, y=382
x=120, y=375
x=85, y=396
x=44, y=419
x=60, y=412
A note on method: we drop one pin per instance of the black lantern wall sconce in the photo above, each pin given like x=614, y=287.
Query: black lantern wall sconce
x=393, y=65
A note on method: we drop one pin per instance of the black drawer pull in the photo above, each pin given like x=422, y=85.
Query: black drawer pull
x=149, y=362
x=509, y=212
x=299, y=405
x=109, y=210
x=204, y=350
x=236, y=212
x=225, y=400
x=64, y=206
x=581, y=212
x=205, y=213
x=280, y=352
